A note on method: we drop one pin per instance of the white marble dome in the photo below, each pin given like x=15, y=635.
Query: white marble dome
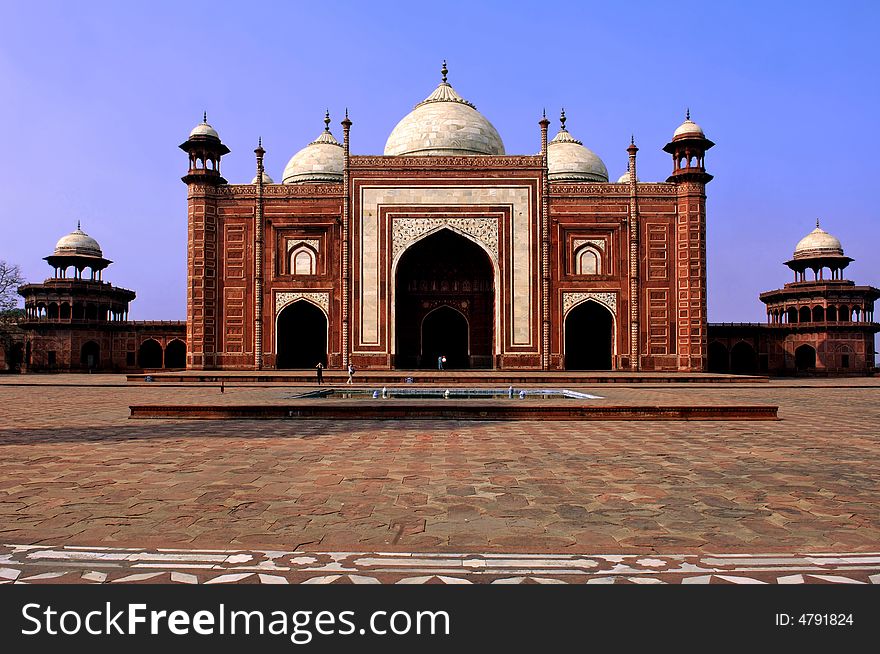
x=266, y=179
x=444, y=124
x=78, y=243
x=624, y=179
x=817, y=243
x=688, y=129
x=322, y=160
x=204, y=129
x=568, y=159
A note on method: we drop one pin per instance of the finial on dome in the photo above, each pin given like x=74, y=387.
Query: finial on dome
x=632, y=139
x=260, y=141
x=562, y=121
x=544, y=112
x=327, y=120
x=205, y=118
x=687, y=114
x=80, y=229
x=817, y=222
x=444, y=71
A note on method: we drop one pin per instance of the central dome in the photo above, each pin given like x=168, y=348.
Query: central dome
x=444, y=123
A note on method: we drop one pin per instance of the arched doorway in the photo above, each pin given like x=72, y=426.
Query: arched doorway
x=589, y=329
x=743, y=360
x=90, y=356
x=150, y=354
x=301, y=336
x=175, y=354
x=805, y=358
x=719, y=358
x=445, y=333
x=451, y=276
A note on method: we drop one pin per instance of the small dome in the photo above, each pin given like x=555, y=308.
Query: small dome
x=322, y=160
x=266, y=179
x=568, y=159
x=78, y=243
x=444, y=124
x=816, y=244
x=624, y=179
x=204, y=129
x=688, y=129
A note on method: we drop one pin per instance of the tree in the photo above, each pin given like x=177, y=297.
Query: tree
x=10, y=280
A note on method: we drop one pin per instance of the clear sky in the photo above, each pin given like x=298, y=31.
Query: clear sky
x=96, y=97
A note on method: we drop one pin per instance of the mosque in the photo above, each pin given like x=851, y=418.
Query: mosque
x=447, y=245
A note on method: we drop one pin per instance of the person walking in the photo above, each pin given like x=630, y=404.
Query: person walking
x=320, y=371
x=350, y=374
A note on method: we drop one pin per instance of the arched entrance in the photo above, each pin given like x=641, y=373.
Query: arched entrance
x=175, y=354
x=805, y=358
x=743, y=360
x=90, y=356
x=589, y=329
x=444, y=303
x=150, y=354
x=445, y=333
x=301, y=336
x=719, y=358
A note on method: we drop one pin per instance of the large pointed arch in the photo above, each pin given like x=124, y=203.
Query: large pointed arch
x=444, y=267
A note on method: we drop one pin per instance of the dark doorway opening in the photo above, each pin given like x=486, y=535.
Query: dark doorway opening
x=445, y=333
x=805, y=358
x=90, y=356
x=589, y=328
x=743, y=359
x=150, y=354
x=451, y=276
x=719, y=359
x=302, y=336
x=175, y=354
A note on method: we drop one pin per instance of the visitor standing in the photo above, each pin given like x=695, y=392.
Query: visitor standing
x=320, y=371
x=350, y=374
x=441, y=362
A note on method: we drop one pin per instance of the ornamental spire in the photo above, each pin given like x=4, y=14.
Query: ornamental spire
x=444, y=71
x=562, y=120
x=687, y=114
x=205, y=117
x=327, y=121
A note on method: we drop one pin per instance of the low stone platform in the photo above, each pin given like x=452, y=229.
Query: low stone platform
x=502, y=377
x=451, y=410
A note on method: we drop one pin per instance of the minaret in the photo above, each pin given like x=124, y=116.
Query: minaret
x=346, y=235
x=545, y=244
x=259, y=226
x=688, y=148
x=205, y=150
x=635, y=330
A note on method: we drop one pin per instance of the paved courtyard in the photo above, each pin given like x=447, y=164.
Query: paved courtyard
x=78, y=473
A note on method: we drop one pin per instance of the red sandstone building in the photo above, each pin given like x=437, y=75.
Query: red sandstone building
x=78, y=322
x=447, y=245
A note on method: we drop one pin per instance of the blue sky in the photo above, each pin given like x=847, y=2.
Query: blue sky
x=97, y=96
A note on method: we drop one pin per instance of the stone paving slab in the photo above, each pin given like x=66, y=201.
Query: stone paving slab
x=77, y=471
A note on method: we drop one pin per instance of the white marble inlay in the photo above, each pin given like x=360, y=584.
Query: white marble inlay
x=606, y=299
x=282, y=299
x=519, y=261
